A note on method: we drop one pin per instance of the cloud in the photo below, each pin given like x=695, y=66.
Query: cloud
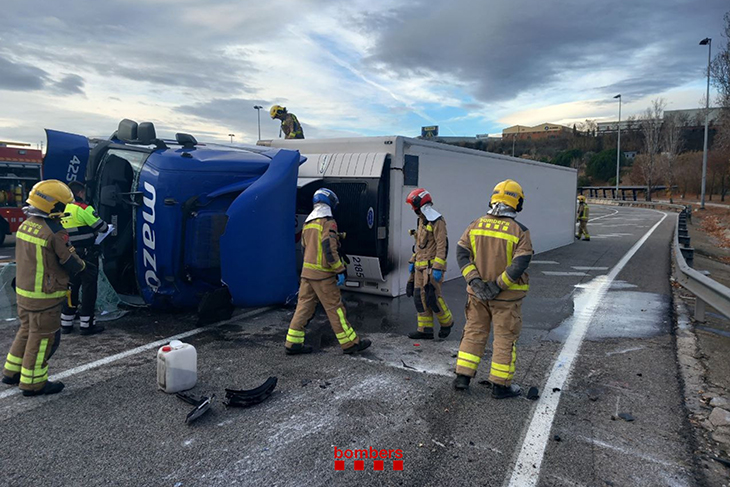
x=72, y=84
x=505, y=50
x=21, y=77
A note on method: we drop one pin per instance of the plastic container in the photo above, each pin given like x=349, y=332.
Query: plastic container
x=177, y=367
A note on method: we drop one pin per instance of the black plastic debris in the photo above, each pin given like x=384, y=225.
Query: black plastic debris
x=626, y=417
x=405, y=365
x=556, y=389
x=202, y=405
x=557, y=438
x=533, y=393
x=250, y=397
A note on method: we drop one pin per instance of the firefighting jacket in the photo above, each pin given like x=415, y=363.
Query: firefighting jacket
x=321, y=243
x=582, y=211
x=83, y=224
x=496, y=249
x=45, y=258
x=432, y=245
x=291, y=127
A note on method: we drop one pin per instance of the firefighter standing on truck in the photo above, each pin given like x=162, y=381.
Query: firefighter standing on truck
x=427, y=267
x=83, y=225
x=582, y=217
x=289, y=123
x=322, y=275
x=493, y=254
x=45, y=258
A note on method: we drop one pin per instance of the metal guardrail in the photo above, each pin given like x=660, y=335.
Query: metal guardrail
x=641, y=204
x=706, y=290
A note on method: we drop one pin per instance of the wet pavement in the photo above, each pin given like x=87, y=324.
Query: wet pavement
x=111, y=425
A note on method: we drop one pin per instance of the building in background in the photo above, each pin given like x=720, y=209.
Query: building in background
x=541, y=131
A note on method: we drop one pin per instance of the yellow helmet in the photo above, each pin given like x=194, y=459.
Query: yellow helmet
x=508, y=192
x=50, y=196
x=581, y=198
x=276, y=110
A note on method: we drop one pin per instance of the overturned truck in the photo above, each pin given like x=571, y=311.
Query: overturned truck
x=193, y=222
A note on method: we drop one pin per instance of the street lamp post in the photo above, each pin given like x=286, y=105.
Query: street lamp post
x=706, y=42
x=231, y=136
x=258, y=113
x=618, y=145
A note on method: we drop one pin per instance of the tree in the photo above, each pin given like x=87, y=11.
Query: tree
x=565, y=158
x=602, y=166
x=688, y=172
x=720, y=77
x=672, y=145
x=647, y=163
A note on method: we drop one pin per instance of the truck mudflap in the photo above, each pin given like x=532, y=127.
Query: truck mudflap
x=257, y=249
x=66, y=157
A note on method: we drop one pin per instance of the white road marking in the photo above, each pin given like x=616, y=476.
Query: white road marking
x=526, y=471
x=134, y=351
x=544, y=262
x=557, y=273
x=604, y=216
x=582, y=268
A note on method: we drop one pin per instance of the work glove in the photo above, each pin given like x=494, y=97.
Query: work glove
x=340, y=279
x=409, y=289
x=480, y=289
x=493, y=290
x=437, y=275
x=411, y=268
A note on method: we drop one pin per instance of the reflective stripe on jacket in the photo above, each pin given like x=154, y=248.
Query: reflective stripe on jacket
x=432, y=245
x=321, y=249
x=44, y=259
x=497, y=249
x=582, y=211
x=291, y=127
x=83, y=224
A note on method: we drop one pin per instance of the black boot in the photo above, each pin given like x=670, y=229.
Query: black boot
x=461, y=383
x=298, y=349
x=504, y=392
x=12, y=381
x=362, y=345
x=49, y=388
x=444, y=331
x=421, y=335
x=88, y=326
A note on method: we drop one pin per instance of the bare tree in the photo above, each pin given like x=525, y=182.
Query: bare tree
x=720, y=76
x=672, y=144
x=649, y=166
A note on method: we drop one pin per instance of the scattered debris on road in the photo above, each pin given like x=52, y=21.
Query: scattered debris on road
x=250, y=397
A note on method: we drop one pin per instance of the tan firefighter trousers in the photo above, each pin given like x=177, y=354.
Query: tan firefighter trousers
x=425, y=312
x=507, y=319
x=326, y=292
x=37, y=339
x=583, y=229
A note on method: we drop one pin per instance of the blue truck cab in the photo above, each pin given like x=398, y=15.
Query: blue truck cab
x=191, y=220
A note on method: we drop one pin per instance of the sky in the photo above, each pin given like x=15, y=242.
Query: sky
x=345, y=68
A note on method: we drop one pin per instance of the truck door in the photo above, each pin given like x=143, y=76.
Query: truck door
x=115, y=202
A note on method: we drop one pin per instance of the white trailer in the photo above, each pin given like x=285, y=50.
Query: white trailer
x=373, y=175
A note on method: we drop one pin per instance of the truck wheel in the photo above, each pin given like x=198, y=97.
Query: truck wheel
x=2, y=236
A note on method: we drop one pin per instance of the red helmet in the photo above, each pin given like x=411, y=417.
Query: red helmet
x=418, y=197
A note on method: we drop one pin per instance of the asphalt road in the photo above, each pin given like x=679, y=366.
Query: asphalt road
x=111, y=426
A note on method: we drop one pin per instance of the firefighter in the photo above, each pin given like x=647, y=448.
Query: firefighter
x=45, y=259
x=322, y=275
x=493, y=254
x=289, y=124
x=582, y=217
x=428, y=266
x=83, y=225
